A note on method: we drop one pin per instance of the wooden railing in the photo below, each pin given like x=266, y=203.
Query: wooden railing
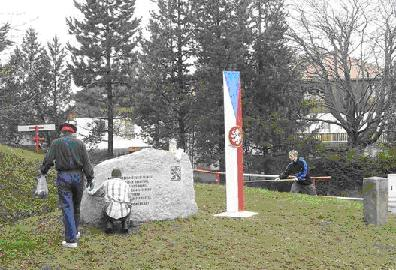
x=338, y=137
x=331, y=137
x=266, y=178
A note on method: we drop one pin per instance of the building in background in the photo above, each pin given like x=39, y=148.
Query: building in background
x=324, y=130
x=127, y=136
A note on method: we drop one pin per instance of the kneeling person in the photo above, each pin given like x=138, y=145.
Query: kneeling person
x=116, y=194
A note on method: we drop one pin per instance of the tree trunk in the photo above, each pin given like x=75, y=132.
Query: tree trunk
x=353, y=138
x=110, y=116
x=55, y=111
x=180, y=79
x=182, y=135
x=110, y=110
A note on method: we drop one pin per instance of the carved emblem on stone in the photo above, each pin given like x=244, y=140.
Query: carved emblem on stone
x=175, y=173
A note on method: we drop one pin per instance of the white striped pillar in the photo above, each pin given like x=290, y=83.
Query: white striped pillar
x=233, y=145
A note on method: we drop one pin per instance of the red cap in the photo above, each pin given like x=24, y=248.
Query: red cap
x=68, y=127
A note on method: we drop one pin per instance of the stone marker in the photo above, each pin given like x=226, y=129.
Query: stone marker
x=161, y=186
x=375, y=200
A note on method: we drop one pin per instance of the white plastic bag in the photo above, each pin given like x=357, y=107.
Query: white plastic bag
x=42, y=188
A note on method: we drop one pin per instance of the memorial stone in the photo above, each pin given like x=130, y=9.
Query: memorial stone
x=375, y=200
x=161, y=186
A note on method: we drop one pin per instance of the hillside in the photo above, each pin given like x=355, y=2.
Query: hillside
x=291, y=231
x=18, y=171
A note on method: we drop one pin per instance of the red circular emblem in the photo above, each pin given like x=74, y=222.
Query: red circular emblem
x=235, y=136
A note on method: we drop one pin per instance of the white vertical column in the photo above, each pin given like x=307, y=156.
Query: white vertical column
x=392, y=193
x=233, y=142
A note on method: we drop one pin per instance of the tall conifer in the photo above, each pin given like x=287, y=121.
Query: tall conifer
x=107, y=37
x=60, y=81
x=165, y=102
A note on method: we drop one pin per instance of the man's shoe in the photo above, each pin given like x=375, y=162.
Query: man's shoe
x=125, y=225
x=69, y=245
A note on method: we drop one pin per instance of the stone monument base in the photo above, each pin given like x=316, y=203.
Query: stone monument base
x=239, y=214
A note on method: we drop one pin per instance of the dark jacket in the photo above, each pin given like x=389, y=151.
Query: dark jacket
x=299, y=169
x=69, y=154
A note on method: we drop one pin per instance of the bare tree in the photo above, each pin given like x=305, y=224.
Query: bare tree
x=349, y=55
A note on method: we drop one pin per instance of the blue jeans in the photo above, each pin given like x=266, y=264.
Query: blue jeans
x=70, y=190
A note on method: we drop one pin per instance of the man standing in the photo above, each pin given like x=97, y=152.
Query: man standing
x=71, y=162
x=116, y=195
x=298, y=167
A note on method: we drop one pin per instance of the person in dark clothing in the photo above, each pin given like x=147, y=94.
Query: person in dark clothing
x=72, y=163
x=298, y=167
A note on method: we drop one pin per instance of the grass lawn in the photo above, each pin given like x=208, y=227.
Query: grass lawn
x=18, y=171
x=291, y=231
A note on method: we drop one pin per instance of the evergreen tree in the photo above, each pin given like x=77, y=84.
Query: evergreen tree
x=90, y=102
x=5, y=74
x=108, y=35
x=273, y=99
x=4, y=41
x=4, y=71
x=26, y=89
x=163, y=106
x=60, y=81
x=221, y=44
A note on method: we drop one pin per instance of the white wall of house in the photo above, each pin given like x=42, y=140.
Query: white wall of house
x=322, y=127
x=129, y=134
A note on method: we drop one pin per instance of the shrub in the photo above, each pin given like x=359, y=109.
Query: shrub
x=346, y=166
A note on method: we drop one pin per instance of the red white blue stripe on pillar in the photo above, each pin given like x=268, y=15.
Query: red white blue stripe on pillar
x=233, y=141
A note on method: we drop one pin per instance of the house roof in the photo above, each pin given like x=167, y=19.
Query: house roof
x=358, y=69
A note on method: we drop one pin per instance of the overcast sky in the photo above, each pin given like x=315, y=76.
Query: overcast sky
x=47, y=17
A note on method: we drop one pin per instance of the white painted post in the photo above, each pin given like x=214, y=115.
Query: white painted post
x=33, y=127
x=392, y=193
x=233, y=146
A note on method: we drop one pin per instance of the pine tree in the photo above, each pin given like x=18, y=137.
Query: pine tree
x=164, y=106
x=60, y=81
x=108, y=36
x=90, y=102
x=221, y=44
x=4, y=41
x=4, y=71
x=5, y=74
x=26, y=89
x=272, y=95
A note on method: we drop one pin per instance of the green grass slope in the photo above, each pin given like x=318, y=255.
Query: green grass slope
x=18, y=171
x=291, y=231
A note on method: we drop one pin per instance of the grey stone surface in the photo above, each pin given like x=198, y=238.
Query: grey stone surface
x=375, y=200
x=161, y=186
